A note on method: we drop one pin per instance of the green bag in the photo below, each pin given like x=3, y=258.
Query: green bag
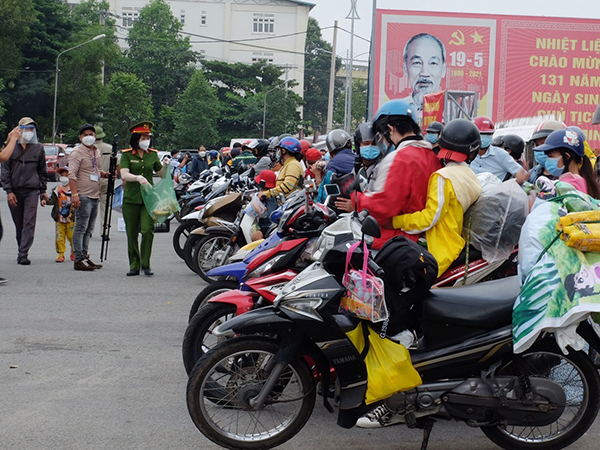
x=160, y=199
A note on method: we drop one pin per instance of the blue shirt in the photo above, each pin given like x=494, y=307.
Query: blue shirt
x=497, y=161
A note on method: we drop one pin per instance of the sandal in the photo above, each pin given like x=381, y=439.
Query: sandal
x=60, y=259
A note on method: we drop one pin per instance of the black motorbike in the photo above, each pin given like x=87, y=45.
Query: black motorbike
x=257, y=390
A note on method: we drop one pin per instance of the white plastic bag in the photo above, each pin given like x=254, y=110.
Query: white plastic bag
x=256, y=208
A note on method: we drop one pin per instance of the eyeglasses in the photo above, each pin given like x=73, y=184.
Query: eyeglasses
x=27, y=127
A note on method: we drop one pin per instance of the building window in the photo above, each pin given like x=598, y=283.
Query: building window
x=265, y=57
x=203, y=18
x=263, y=23
x=129, y=15
x=182, y=17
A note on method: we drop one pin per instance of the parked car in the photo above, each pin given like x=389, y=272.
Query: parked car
x=56, y=157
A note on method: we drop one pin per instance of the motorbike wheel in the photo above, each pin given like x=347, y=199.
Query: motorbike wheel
x=209, y=252
x=239, y=368
x=181, y=235
x=581, y=383
x=198, y=338
x=189, y=249
x=210, y=291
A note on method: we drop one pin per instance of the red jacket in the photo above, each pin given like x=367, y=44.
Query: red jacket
x=400, y=186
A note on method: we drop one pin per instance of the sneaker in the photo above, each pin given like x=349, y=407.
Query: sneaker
x=378, y=418
x=407, y=338
x=23, y=260
x=3, y=281
x=83, y=265
x=93, y=264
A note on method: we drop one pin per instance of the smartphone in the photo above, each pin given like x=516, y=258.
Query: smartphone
x=332, y=190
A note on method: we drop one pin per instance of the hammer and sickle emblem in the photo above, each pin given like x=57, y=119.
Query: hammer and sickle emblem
x=458, y=38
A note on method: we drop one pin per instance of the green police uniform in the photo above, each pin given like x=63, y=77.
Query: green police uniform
x=137, y=219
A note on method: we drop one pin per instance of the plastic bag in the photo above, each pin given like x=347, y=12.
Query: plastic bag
x=256, y=208
x=495, y=220
x=117, y=204
x=364, y=296
x=389, y=368
x=160, y=199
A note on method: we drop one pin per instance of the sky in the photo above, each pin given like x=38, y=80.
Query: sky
x=327, y=11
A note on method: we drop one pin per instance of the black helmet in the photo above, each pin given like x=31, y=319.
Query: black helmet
x=459, y=136
x=260, y=146
x=435, y=127
x=514, y=143
x=363, y=133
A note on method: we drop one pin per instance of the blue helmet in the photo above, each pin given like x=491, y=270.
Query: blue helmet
x=567, y=139
x=392, y=109
x=213, y=154
x=291, y=144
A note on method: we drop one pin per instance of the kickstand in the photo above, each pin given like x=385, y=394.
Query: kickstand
x=427, y=427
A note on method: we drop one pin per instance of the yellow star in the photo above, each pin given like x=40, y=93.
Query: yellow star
x=477, y=38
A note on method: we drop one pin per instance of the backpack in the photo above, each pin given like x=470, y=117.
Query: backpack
x=410, y=271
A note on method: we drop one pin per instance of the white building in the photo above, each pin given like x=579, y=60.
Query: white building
x=236, y=30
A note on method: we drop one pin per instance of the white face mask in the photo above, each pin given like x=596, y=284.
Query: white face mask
x=88, y=141
x=202, y=154
x=64, y=181
x=145, y=145
x=28, y=135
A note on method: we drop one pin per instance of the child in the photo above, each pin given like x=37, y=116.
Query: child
x=450, y=192
x=62, y=213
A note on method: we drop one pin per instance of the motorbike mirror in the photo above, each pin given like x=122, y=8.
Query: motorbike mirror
x=263, y=185
x=252, y=173
x=356, y=184
x=370, y=227
x=241, y=170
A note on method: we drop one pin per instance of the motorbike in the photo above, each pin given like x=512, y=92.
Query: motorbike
x=259, y=389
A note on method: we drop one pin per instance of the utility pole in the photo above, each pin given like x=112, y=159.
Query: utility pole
x=332, y=80
x=352, y=15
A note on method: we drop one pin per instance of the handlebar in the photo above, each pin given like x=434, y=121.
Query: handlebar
x=378, y=271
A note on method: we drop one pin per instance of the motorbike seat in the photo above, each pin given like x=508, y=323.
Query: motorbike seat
x=486, y=305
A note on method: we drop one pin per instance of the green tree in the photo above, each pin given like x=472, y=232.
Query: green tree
x=359, y=105
x=241, y=90
x=317, y=67
x=14, y=33
x=3, y=125
x=158, y=55
x=127, y=102
x=194, y=114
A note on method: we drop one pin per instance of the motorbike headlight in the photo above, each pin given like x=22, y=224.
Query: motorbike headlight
x=304, y=306
x=265, y=267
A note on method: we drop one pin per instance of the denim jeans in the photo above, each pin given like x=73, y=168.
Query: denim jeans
x=85, y=217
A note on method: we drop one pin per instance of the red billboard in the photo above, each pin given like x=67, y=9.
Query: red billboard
x=520, y=66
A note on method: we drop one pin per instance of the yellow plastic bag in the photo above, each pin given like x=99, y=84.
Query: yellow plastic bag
x=574, y=217
x=584, y=237
x=389, y=368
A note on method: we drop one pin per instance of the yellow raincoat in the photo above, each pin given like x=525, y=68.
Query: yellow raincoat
x=450, y=192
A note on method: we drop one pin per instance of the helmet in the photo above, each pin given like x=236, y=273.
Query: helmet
x=305, y=145
x=545, y=128
x=485, y=125
x=389, y=110
x=458, y=139
x=275, y=141
x=260, y=145
x=226, y=150
x=567, y=139
x=337, y=140
x=184, y=178
x=514, y=143
x=435, y=127
x=291, y=144
x=363, y=133
x=213, y=154
x=498, y=141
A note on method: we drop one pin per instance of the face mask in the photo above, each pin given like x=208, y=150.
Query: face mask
x=326, y=157
x=145, y=145
x=88, y=141
x=540, y=158
x=552, y=167
x=28, y=135
x=432, y=138
x=64, y=181
x=486, y=140
x=370, y=152
x=202, y=154
x=278, y=155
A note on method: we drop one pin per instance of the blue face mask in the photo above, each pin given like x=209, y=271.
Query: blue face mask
x=370, y=152
x=486, y=140
x=540, y=158
x=432, y=138
x=552, y=166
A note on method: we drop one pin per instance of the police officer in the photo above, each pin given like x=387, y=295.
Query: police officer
x=138, y=165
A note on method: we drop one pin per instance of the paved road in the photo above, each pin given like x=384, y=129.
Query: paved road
x=99, y=359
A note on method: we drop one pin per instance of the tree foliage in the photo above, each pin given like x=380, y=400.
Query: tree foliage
x=317, y=68
x=159, y=55
x=359, y=105
x=194, y=114
x=127, y=102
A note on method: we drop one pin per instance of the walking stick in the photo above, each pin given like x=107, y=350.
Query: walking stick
x=110, y=190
